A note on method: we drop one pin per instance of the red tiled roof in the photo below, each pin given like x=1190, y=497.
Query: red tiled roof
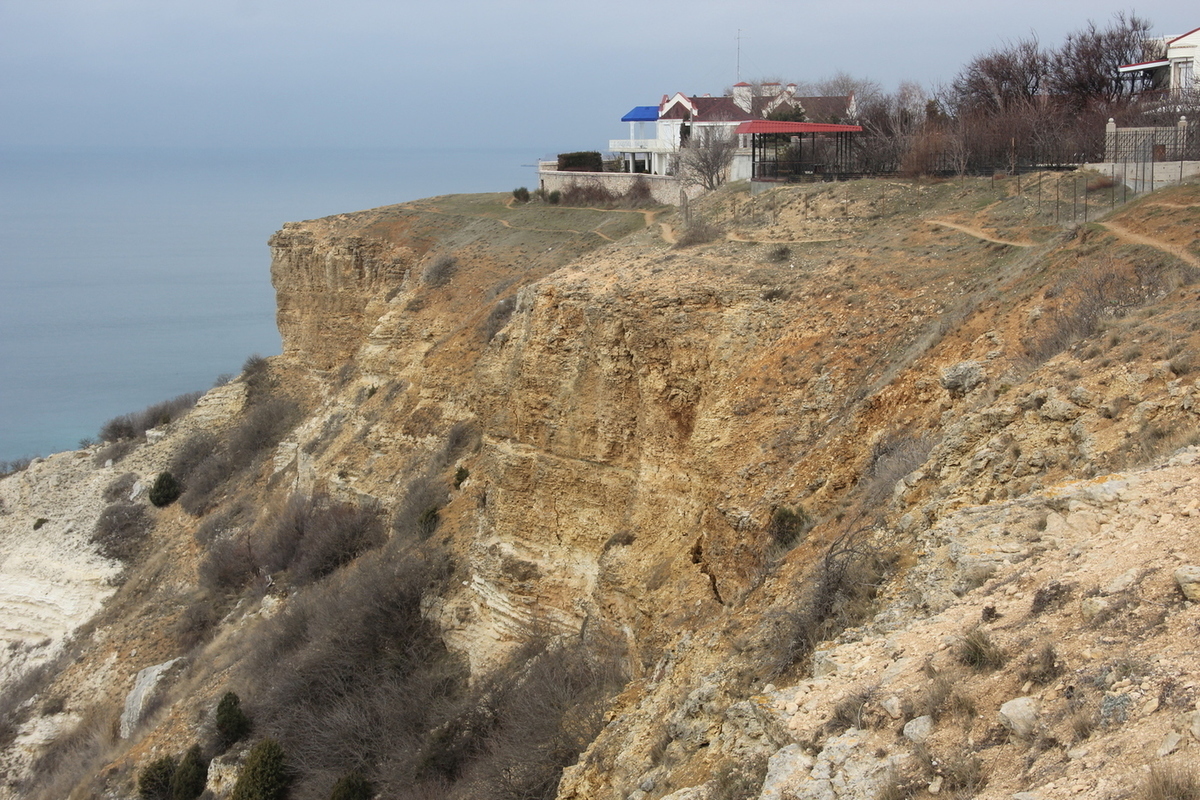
x=771, y=126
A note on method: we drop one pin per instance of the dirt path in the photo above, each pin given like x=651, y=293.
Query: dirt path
x=978, y=234
x=1137, y=238
x=733, y=237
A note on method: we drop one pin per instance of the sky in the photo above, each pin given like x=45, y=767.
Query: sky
x=461, y=73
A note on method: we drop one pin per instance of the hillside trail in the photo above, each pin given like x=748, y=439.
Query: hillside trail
x=1137, y=238
x=977, y=233
x=733, y=237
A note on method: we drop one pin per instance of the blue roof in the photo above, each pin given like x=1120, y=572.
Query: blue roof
x=642, y=114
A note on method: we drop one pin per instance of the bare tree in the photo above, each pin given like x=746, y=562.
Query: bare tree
x=1001, y=81
x=705, y=159
x=1085, y=68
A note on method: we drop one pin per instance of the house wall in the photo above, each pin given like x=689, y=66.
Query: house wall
x=663, y=188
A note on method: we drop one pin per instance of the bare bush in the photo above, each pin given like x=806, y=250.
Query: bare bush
x=841, y=594
x=313, y=536
x=439, y=271
x=119, y=488
x=417, y=515
x=893, y=457
x=121, y=530
x=977, y=650
x=698, y=232
x=131, y=426
x=706, y=158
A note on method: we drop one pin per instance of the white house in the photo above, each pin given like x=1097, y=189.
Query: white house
x=679, y=117
x=1175, y=72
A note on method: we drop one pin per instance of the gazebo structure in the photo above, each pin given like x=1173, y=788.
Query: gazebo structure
x=799, y=151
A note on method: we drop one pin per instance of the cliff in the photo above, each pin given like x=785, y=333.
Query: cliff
x=827, y=493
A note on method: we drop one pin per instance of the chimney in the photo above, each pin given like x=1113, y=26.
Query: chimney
x=771, y=89
x=743, y=96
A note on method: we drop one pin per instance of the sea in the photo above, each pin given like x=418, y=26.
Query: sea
x=132, y=275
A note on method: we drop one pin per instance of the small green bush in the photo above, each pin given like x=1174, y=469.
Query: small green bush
x=554, y=197
x=788, y=526
x=264, y=775
x=154, y=781
x=460, y=475
x=166, y=490
x=190, y=776
x=352, y=787
x=232, y=722
x=584, y=161
x=521, y=195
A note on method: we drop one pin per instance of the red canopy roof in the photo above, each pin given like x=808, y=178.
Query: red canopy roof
x=771, y=126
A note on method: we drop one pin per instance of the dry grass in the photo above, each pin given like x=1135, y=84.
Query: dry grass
x=1171, y=782
x=977, y=650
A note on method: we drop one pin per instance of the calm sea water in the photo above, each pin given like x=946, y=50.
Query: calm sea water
x=130, y=276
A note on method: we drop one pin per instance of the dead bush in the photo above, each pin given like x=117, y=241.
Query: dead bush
x=977, y=650
x=851, y=710
x=261, y=428
x=131, y=426
x=311, y=537
x=120, y=488
x=1041, y=666
x=351, y=674
x=439, y=271
x=698, y=232
x=942, y=698
x=893, y=457
x=840, y=594
x=228, y=565
x=113, y=452
x=121, y=530
x=1171, y=782
x=418, y=514
x=1053, y=595
x=738, y=779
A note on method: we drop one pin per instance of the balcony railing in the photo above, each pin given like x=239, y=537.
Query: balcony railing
x=633, y=145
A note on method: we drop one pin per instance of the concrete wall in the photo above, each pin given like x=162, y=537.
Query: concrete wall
x=1146, y=176
x=663, y=188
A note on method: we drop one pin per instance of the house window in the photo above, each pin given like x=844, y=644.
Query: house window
x=1183, y=77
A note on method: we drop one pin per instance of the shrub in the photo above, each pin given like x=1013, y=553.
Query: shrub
x=460, y=475
x=121, y=530
x=120, y=488
x=227, y=564
x=154, y=781
x=977, y=650
x=16, y=465
x=439, y=271
x=893, y=457
x=312, y=537
x=521, y=195
x=840, y=595
x=584, y=161
x=554, y=197
x=264, y=775
x=354, y=786
x=788, y=526
x=1042, y=666
x=698, y=233
x=1171, y=783
x=190, y=776
x=232, y=723
x=166, y=490
x=417, y=515
x=779, y=253
x=131, y=426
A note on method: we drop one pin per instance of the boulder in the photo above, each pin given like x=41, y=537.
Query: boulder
x=1020, y=716
x=917, y=730
x=962, y=377
x=1188, y=578
x=145, y=687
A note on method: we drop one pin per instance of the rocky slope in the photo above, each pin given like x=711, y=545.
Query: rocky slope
x=969, y=404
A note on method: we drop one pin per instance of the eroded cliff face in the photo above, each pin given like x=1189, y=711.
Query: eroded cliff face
x=918, y=368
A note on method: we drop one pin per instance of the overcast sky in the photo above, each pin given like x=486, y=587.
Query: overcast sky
x=461, y=72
